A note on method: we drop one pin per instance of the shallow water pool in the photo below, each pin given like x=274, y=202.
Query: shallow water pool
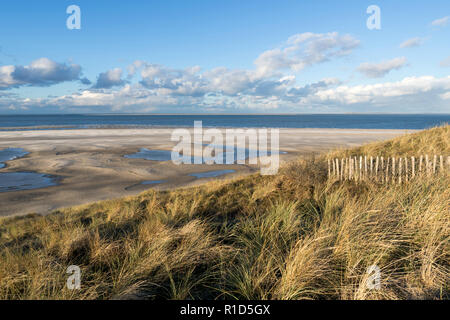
x=17, y=181
x=211, y=174
x=227, y=156
x=153, y=182
x=11, y=154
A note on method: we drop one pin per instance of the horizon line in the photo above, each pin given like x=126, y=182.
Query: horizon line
x=223, y=114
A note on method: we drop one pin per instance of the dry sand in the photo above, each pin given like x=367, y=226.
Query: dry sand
x=91, y=167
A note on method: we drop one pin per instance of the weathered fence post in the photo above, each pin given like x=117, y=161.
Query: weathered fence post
x=329, y=168
x=420, y=163
x=371, y=166
x=376, y=168
x=393, y=169
x=329, y=171
x=347, y=164
x=413, y=163
x=387, y=170
x=337, y=168
x=434, y=164
x=360, y=168
x=365, y=167
x=406, y=169
x=400, y=170
x=351, y=169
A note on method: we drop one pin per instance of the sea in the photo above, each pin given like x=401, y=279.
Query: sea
x=338, y=121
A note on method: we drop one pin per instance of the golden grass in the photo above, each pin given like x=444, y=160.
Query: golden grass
x=295, y=235
x=434, y=141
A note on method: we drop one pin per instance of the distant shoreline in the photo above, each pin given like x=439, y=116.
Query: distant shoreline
x=307, y=121
x=155, y=127
x=221, y=114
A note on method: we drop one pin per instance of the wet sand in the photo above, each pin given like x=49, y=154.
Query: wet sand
x=90, y=164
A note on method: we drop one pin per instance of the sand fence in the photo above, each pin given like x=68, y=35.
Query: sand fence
x=386, y=170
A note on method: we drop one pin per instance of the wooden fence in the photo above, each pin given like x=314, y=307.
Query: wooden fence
x=386, y=170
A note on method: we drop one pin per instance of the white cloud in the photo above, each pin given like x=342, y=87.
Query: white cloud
x=195, y=83
x=305, y=49
x=442, y=22
x=379, y=70
x=181, y=82
x=426, y=86
x=109, y=79
x=232, y=82
x=6, y=78
x=133, y=67
x=297, y=93
x=413, y=42
x=40, y=72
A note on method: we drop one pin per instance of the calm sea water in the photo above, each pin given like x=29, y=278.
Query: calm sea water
x=343, y=121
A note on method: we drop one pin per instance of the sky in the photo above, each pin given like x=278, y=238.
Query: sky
x=224, y=56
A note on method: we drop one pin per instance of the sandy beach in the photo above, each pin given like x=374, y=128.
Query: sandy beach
x=90, y=163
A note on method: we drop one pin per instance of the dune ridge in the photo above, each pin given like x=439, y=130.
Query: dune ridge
x=295, y=235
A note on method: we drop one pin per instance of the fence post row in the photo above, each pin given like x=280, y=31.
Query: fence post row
x=394, y=170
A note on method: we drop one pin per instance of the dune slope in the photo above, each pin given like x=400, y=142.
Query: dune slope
x=295, y=235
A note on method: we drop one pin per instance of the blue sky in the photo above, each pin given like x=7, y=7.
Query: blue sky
x=252, y=56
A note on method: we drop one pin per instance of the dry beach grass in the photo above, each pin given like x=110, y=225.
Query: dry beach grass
x=295, y=235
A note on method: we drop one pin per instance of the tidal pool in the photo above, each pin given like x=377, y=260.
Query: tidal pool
x=155, y=155
x=17, y=181
x=11, y=154
x=153, y=182
x=228, y=157
x=211, y=174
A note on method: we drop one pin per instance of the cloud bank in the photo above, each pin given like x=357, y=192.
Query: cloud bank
x=40, y=72
x=271, y=85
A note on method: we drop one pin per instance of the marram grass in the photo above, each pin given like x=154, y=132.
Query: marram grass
x=295, y=235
